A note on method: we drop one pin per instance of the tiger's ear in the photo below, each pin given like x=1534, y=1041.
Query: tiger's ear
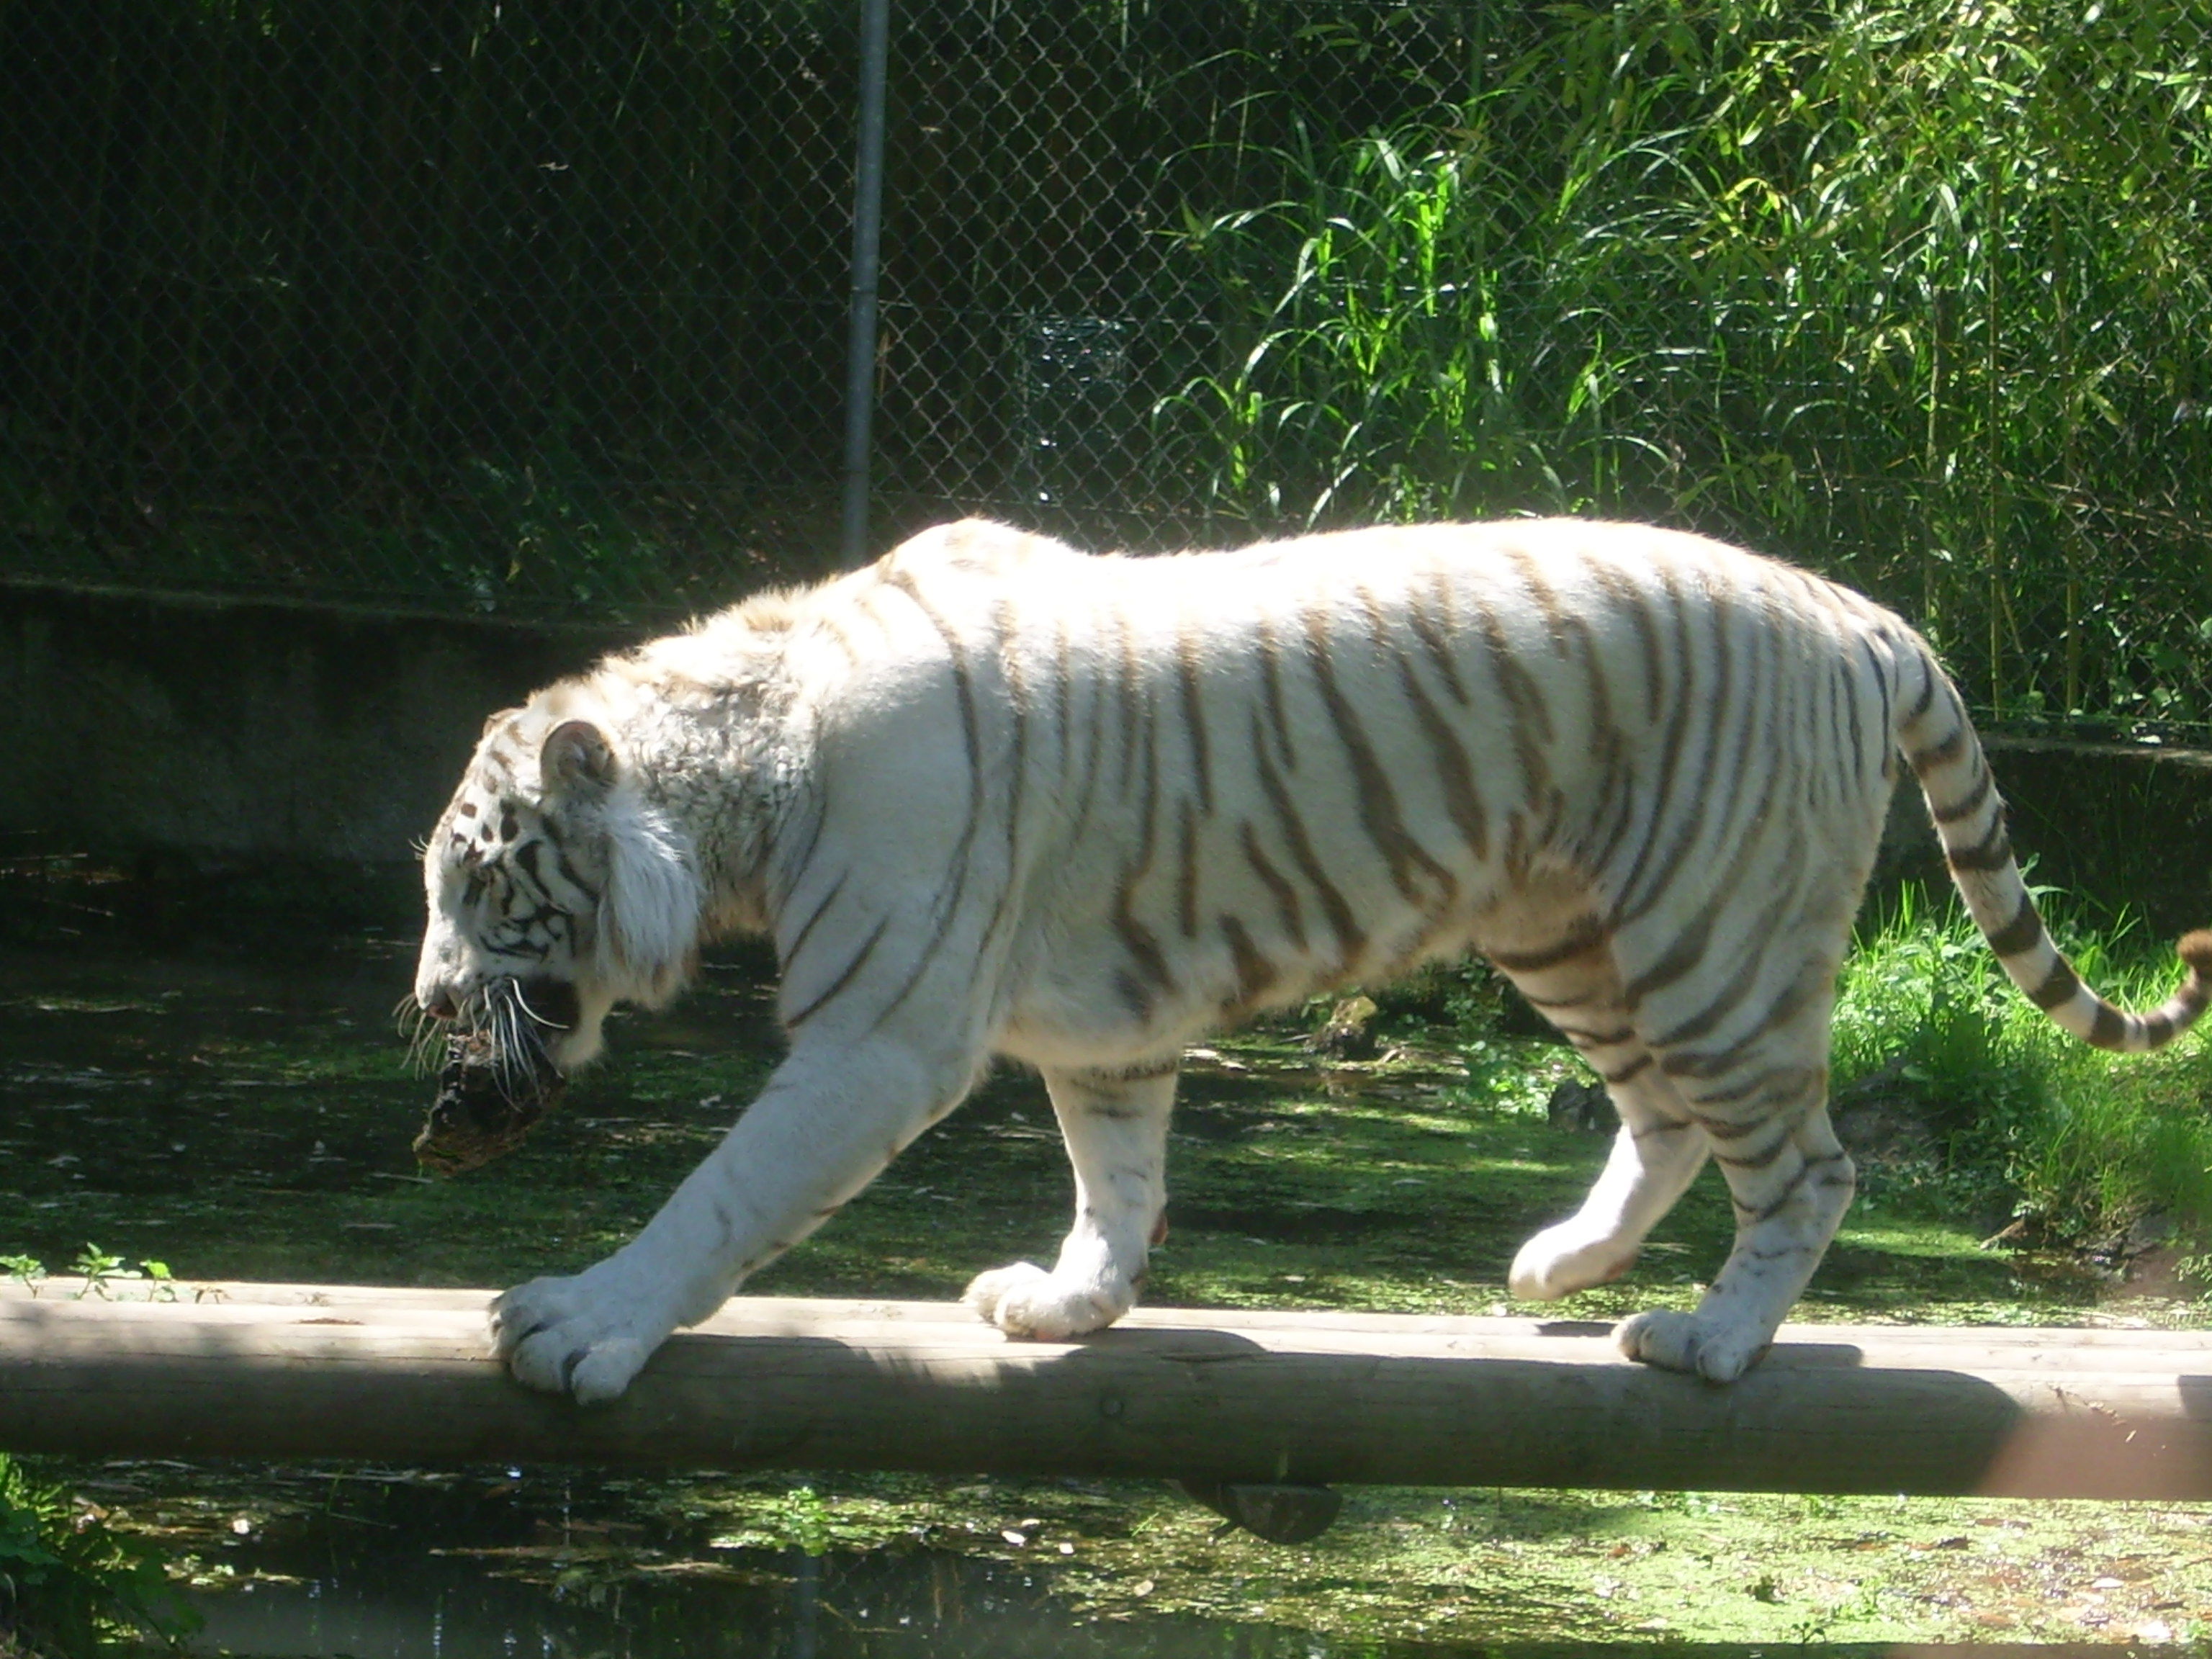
x=576, y=761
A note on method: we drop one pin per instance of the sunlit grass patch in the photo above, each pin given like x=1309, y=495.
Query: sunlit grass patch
x=2075, y=1140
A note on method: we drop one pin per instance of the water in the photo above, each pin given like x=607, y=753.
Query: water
x=821, y=1607
x=395, y=1564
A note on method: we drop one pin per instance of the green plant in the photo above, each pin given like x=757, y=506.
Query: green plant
x=2084, y=1140
x=68, y=1583
x=26, y=1270
x=1887, y=286
x=99, y=1270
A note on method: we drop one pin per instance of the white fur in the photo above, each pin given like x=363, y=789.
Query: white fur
x=648, y=918
x=990, y=796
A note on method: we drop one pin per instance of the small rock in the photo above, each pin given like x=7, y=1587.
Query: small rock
x=1346, y=1034
x=1581, y=1103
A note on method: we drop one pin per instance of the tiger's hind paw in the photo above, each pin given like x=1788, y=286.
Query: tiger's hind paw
x=1025, y=1301
x=1565, y=1259
x=1693, y=1343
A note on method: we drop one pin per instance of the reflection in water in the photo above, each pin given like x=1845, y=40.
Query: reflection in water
x=798, y=1606
x=791, y=1607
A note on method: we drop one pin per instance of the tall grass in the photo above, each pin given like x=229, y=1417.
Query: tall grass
x=1914, y=291
x=2085, y=1142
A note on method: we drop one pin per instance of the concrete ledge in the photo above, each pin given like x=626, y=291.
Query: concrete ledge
x=227, y=726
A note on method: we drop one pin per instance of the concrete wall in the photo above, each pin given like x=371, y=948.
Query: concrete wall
x=218, y=729
x=2122, y=826
x=226, y=727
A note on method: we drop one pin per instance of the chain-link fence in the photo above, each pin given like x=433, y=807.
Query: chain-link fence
x=538, y=306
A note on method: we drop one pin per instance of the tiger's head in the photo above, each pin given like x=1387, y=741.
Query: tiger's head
x=555, y=888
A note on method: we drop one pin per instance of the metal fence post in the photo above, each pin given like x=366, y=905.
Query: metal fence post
x=867, y=241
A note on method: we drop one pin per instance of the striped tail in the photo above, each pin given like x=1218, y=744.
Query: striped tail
x=1939, y=744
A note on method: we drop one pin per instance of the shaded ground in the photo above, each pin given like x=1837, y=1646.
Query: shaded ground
x=250, y=1118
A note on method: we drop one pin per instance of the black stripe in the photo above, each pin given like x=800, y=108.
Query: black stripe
x=792, y=874
x=837, y=985
x=1063, y=698
x=1763, y=1082
x=1614, y=1080
x=1723, y=1001
x=1669, y=801
x=1096, y=1076
x=1187, y=870
x=1882, y=687
x=1434, y=636
x=1456, y=773
x=1633, y=600
x=1942, y=753
x=1271, y=690
x=1756, y=1160
x=1547, y=602
x=1584, y=934
x=2058, y=986
x=1530, y=718
x=799, y=943
x=1142, y=942
x=2022, y=934
x=1377, y=801
x=1992, y=852
x=1970, y=805
x=962, y=682
x=2111, y=1028
x=1287, y=909
x=1351, y=938
x=1679, y=959
x=1920, y=704
x=1194, y=715
x=1843, y=684
x=1256, y=975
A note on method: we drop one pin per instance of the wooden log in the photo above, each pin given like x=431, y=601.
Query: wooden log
x=295, y=1372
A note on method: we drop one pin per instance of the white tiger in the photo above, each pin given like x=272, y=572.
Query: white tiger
x=992, y=796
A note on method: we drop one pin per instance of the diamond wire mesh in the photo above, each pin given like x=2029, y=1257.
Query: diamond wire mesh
x=539, y=306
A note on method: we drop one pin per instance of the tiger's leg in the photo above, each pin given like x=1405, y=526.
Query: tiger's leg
x=1658, y=1152
x=1116, y=1125
x=835, y=1112
x=1764, y=1107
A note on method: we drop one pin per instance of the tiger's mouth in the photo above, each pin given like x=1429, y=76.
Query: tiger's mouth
x=498, y=1077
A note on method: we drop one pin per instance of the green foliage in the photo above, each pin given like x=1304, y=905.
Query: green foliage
x=1912, y=291
x=100, y=1271
x=68, y=1583
x=2085, y=1141
x=26, y=1270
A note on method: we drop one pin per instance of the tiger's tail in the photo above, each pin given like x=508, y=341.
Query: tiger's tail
x=1939, y=743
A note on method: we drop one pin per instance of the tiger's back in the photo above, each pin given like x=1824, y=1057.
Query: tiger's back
x=1233, y=780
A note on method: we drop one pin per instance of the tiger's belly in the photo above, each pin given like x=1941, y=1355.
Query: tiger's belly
x=1110, y=994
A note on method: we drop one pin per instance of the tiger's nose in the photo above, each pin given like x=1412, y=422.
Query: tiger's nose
x=438, y=1003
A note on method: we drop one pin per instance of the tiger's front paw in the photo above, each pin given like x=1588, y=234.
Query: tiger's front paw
x=569, y=1336
x=1025, y=1301
x=1694, y=1343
